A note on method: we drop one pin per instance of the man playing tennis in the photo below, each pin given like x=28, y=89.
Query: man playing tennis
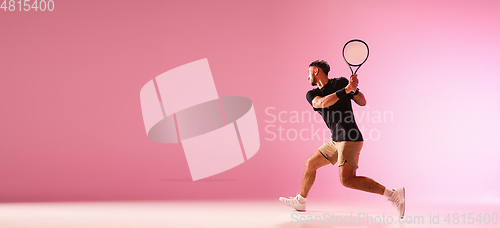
x=332, y=100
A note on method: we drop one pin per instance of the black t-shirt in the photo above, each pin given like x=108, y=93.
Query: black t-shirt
x=338, y=117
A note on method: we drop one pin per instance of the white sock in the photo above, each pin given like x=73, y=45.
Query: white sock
x=388, y=193
x=301, y=198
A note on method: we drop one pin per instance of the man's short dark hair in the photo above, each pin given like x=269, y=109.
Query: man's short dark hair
x=322, y=64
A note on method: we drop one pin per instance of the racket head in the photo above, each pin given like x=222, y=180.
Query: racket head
x=355, y=52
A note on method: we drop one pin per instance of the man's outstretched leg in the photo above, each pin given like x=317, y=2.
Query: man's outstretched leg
x=314, y=162
x=349, y=179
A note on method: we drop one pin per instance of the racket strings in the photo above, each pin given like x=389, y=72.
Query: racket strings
x=355, y=53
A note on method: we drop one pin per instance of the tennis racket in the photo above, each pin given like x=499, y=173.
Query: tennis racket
x=355, y=53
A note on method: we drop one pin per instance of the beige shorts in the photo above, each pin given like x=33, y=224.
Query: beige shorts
x=341, y=152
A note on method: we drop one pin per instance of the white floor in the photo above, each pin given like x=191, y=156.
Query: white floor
x=225, y=214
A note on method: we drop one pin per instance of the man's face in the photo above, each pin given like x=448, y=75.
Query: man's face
x=312, y=75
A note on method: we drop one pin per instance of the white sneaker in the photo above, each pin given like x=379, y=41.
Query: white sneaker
x=398, y=200
x=294, y=202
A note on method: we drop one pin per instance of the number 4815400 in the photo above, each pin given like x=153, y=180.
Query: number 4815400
x=25, y=5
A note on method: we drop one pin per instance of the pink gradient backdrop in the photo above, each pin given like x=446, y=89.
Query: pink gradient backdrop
x=71, y=124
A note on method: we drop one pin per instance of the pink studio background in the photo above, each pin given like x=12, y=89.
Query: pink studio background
x=72, y=129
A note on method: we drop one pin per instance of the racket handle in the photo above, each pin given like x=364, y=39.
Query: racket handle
x=354, y=92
